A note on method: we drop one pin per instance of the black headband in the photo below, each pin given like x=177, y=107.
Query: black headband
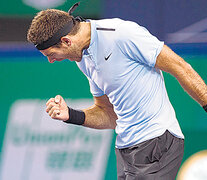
x=56, y=38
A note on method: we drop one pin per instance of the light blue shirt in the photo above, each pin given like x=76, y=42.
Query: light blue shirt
x=120, y=63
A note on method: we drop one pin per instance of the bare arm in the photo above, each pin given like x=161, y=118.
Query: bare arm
x=189, y=79
x=101, y=115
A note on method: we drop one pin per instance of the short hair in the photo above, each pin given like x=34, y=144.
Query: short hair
x=47, y=22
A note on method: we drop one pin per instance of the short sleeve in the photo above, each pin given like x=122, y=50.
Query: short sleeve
x=95, y=90
x=138, y=44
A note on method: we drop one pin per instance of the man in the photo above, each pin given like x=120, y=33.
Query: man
x=123, y=64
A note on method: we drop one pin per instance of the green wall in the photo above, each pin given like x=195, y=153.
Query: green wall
x=35, y=78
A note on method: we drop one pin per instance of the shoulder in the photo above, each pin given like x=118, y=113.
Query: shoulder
x=121, y=29
x=108, y=23
x=117, y=23
x=130, y=29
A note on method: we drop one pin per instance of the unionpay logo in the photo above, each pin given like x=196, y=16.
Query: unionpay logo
x=38, y=147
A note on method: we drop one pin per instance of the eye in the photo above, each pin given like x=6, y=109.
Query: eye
x=50, y=55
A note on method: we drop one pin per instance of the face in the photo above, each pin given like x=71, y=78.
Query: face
x=66, y=50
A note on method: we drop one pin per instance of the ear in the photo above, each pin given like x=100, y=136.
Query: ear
x=66, y=40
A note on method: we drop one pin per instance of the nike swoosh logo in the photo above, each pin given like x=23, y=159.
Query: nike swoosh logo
x=106, y=58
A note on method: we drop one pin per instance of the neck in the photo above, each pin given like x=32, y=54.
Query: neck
x=85, y=34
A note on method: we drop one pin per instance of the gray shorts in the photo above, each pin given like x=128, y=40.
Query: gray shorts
x=155, y=159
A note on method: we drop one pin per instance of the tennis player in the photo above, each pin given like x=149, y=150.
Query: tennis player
x=123, y=63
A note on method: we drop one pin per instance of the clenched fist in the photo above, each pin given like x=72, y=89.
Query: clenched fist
x=57, y=108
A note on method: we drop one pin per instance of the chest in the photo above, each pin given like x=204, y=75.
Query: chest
x=110, y=69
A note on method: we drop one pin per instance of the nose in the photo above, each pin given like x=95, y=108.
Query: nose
x=51, y=60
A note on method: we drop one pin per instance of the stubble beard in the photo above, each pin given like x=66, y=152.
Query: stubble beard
x=74, y=54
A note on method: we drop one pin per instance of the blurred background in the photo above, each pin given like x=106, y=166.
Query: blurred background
x=32, y=146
